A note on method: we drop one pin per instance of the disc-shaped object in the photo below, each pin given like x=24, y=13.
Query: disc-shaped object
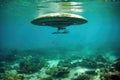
x=59, y=20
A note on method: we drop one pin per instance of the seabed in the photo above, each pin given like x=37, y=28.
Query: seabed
x=71, y=68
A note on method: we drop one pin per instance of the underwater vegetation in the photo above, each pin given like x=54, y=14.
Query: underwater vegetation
x=111, y=76
x=113, y=71
x=87, y=63
x=47, y=78
x=116, y=65
x=29, y=66
x=9, y=56
x=82, y=77
x=58, y=72
x=2, y=69
x=65, y=63
x=11, y=76
x=35, y=67
x=98, y=62
x=91, y=72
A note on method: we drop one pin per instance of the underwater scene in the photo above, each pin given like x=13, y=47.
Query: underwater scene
x=59, y=39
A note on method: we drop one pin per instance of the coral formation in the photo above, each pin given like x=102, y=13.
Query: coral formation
x=46, y=78
x=113, y=72
x=2, y=70
x=30, y=66
x=58, y=72
x=11, y=76
x=10, y=57
x=82, y=77
x=101, y=58
x=91, y=72
x=33, y=67
x=116, y=65
x=65, y=63
x=111, y=76
x=88, y=63
x=99, y=62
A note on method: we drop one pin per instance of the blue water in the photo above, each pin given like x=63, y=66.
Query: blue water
x=99, y=35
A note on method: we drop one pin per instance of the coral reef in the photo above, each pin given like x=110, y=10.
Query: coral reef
x=36, y=67
x=58, y=72
x=88, y=63
x=9, y=56
x=30, y=66
x=116, y=65
x=11, y=76
x=112, y=72
x=111, y=76
x=2, y=68
x=64, y=63
x=91, y=72
x=101, y=58
x=46, y=78
x=82, y=77
x=99, y=62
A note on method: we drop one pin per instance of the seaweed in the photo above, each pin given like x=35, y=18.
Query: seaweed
x=58, y=72
x=111, y=76
x=46, y=78
x=31, y=66
x=82, y=77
